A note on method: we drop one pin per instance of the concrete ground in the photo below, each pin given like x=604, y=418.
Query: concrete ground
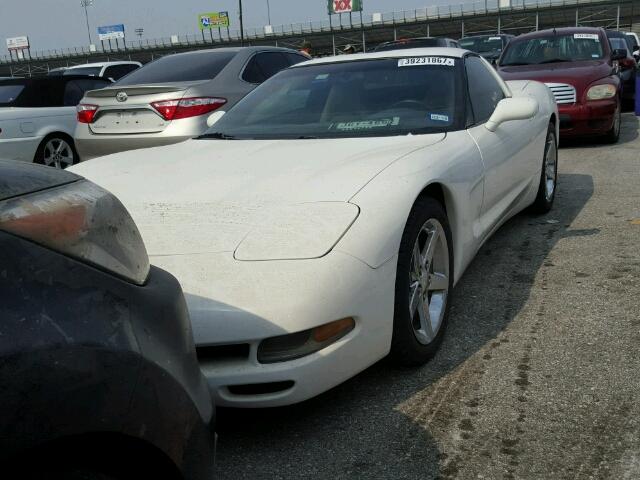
x=538, y=376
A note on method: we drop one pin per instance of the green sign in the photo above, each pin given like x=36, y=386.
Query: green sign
x=344, y=6
x=213, y=20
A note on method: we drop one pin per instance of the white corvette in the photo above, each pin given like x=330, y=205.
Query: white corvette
x=323, y=221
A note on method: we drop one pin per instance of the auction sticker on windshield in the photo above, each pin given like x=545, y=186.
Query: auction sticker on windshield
x=366, y=124
x=416, y=61
x=587, y=36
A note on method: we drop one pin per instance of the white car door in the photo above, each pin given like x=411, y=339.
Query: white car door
x=504, y=152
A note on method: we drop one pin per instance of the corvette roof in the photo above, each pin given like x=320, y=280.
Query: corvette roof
x=402, y=53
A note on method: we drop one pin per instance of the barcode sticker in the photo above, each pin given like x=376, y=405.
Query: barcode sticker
x=587, y=36
x=417, y=61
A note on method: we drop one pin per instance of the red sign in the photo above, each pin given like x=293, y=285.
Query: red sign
x=342, y=6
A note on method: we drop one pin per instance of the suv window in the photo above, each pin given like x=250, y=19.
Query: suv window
x=484, y=90
x=74, y=90
x=116, y=72
x=264, y=65
x=9, y=93
x=182, y=67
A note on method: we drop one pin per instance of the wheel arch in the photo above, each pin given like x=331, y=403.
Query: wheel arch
x=441, y=193
x=57, y=133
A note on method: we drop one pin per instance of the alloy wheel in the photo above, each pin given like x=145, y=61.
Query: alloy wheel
x=429, y=281
x=550, y=163
x=58, y=153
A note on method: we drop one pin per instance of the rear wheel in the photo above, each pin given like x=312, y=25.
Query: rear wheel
x=56, y=150
x=549, y=175
x=424, y=281
x=613, y=135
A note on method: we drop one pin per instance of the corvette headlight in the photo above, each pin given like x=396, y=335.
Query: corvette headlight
x=83, y=221
x=600, y=92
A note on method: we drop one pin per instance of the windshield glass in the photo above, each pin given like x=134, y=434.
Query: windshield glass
x=83, y=71
x=574, y=47
x=180, y=68
x=483, y=44
x=8, y=93
x=618, y=44
x=351, y=99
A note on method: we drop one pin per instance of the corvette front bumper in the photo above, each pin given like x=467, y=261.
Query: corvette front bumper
x=234, y=305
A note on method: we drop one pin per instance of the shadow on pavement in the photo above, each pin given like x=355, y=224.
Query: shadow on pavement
x=381, y=423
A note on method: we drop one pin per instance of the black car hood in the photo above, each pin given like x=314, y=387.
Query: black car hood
x=19, y=178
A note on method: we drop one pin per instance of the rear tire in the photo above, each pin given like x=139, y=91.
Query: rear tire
x=424, y=281
x=549, y=175
x=57, y=150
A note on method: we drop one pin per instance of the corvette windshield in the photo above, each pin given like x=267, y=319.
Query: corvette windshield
x=350, y=99
x=573, y=47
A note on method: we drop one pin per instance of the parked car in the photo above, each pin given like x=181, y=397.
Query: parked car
x=38, y=118
x=418, y=42
x=627, y=66
x=98, y=368
x=112, y=70
x=577, y=64
x=340, y=191
x=635, y=41
x=489, y=46
x=168, y=101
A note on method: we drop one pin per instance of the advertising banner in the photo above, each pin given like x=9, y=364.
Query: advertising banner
x=17, y=43
x=111, y=32
x=213, y=20
x=344, y=6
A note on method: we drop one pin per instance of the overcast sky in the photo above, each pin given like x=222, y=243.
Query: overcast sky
x=53, y=24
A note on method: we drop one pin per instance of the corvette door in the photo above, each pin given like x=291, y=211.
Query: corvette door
x=507, y=169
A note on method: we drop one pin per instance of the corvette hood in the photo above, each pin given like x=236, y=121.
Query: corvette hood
x=207, y=196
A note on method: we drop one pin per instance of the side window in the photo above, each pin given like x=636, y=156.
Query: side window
x=295, y=58
x=118, y=71
x=484, y=90
x=41, y=94
x=263, y=66
x=74, y=90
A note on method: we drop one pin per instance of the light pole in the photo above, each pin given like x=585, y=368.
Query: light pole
x=268, y=13
x=241, y=25
x=85, y=4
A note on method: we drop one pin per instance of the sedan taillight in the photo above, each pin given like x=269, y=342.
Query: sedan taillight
x=86, y=112
x=187, y=107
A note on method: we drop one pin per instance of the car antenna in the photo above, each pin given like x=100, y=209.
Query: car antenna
x=554, y=31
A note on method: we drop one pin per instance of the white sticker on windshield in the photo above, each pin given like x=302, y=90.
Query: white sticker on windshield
x=366, y=124
x=439, y=117
x=416, y=61
x=587, y=36
x=494, y=38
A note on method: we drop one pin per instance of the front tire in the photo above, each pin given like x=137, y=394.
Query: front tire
x=613, y=135
x=424, y=281
x=549, y=175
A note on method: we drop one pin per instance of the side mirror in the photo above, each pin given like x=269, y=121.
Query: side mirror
x=214, y=117
x=619, y=54
x=508, y=109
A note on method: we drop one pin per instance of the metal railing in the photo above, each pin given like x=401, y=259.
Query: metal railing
x=336, y=24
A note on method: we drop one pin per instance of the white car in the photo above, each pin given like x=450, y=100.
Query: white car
x=111, y=70
x=38, y=118
x=323, y=221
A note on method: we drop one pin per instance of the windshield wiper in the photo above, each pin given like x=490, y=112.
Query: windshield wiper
x=307, y=137
x=553, y=60
x=218, y=135
x=515, y=64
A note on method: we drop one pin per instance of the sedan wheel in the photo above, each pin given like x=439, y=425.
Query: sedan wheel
x=57, y=153
x=424, y=280
x=549, y=175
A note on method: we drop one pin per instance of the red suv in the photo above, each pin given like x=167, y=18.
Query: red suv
x=581, y=70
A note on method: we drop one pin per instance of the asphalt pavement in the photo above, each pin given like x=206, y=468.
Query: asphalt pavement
x=538, y=376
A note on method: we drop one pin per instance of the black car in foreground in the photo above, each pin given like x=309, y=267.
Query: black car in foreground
x=418, y=42
x=98, y=370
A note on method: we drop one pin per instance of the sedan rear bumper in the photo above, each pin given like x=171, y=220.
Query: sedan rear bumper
x=594, y=118
x=91, y=146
